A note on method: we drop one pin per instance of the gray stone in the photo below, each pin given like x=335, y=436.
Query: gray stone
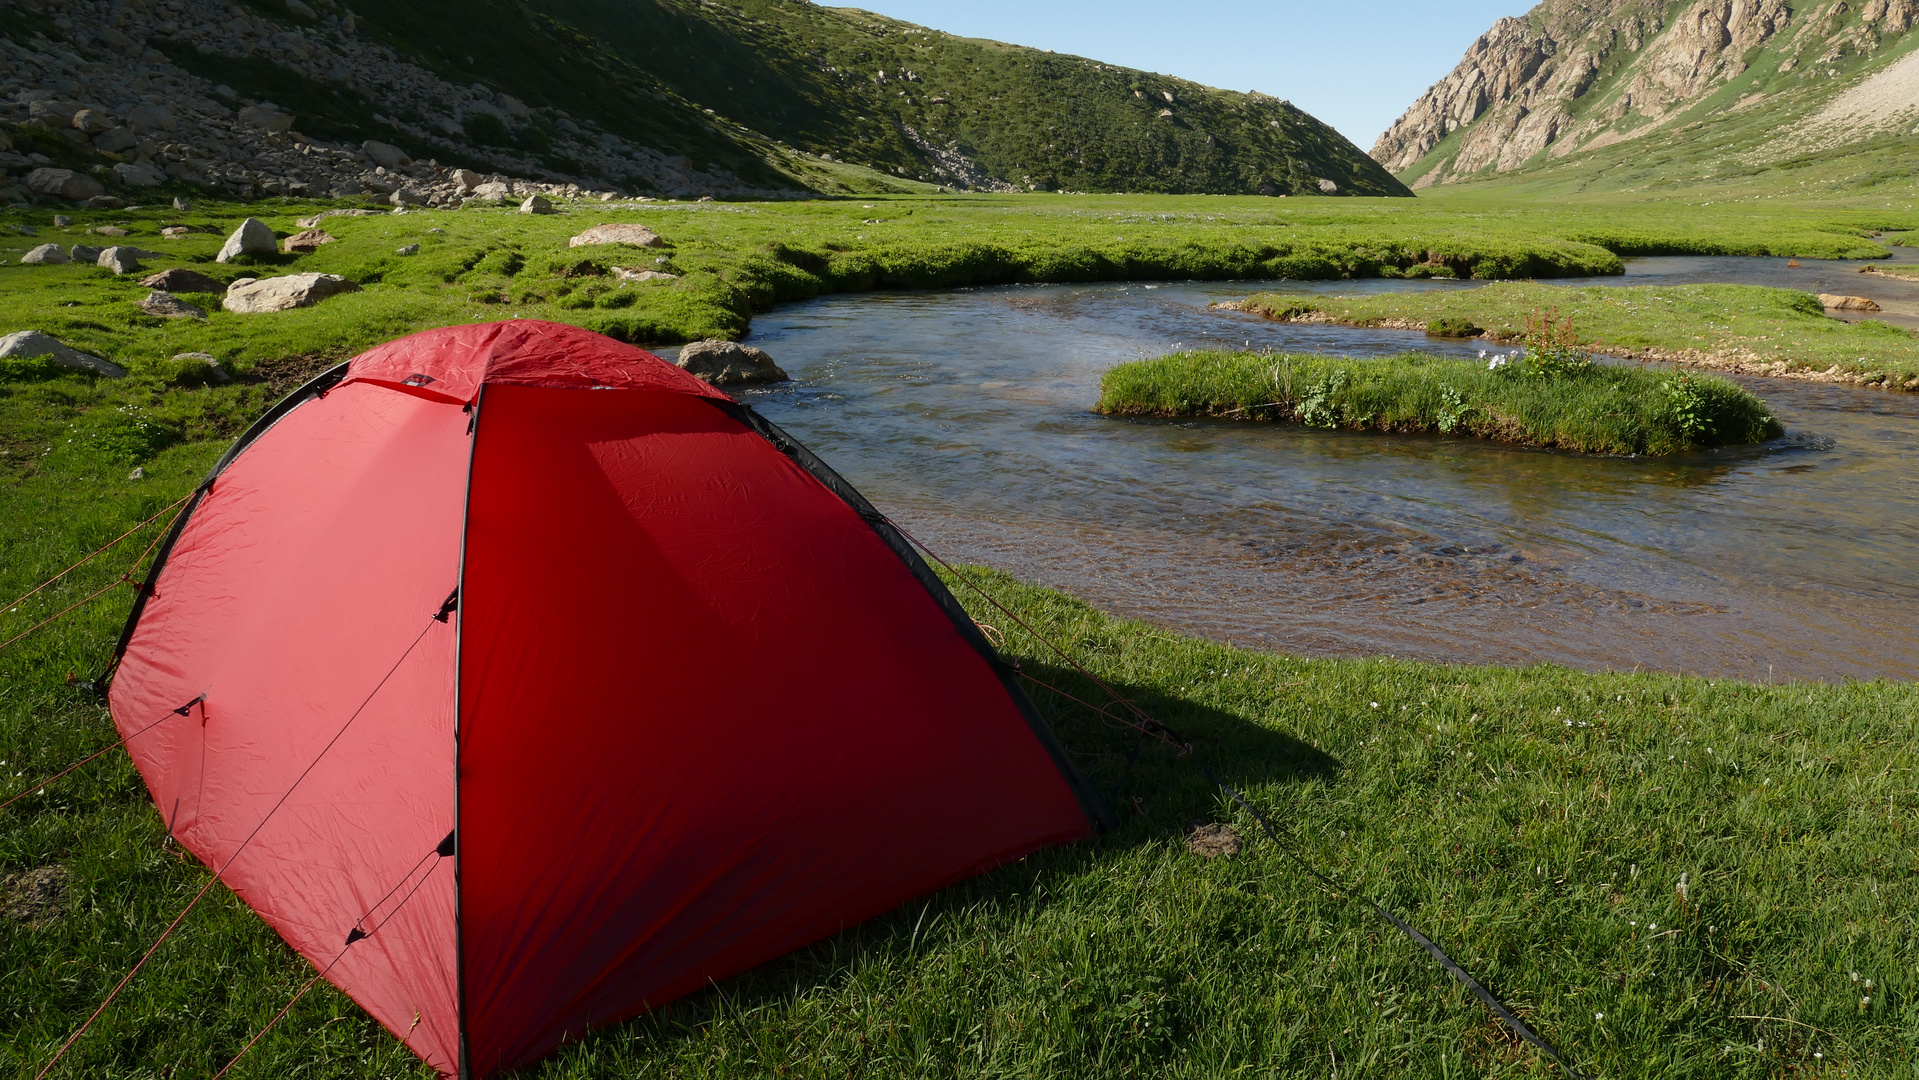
x=144, y=119
x=251, y=296
x=34, y=343
x=169, y=306
x=81, y=253
x=725, y=363
x=138, y=173
x=265, y=118
x=62, y=220
x=92, y=121
x=467, y=179
x=537, y=204
x=251, y=240
x=181, y=280
x=636, y=235
x=120, y=260
x=45, y=255
x=385, y=155
x=53, y=114
x=295, y=7
x=643, y=275
x=495, y=190
x=1835, y=302
x=181, y=205
x=407, y=196
x=409, y=249
x=116, y=140
x=64, y=184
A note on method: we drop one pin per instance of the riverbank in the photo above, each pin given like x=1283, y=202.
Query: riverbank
x=1746, y=329
x=719, y=263
x=1713, y=864
x=1599, y=409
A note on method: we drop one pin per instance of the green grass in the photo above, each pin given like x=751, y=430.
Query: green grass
x=1745, y=327
x=1601, y=409
x=739, y=258
x=1536, y=822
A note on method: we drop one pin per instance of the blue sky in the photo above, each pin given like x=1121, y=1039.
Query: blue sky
x=1355, y=65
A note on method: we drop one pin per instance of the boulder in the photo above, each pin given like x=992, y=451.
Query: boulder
x=175, y=232
x=251, y=296
x=636, y=235
x=81, y=253
x=408, y=196
x=45, y=255
x=643, y=275
x=537, y=204
x=385, y=155
x=92, y=121
x=251, y=240
x=181, y=205
x=467, y=179
x=407, y=249
x=34, y=343
x=305, y=243
x=144, y=119
x=265, y=118
x=1847, y=303
x=64, y=184
x=53, y=114
x=139, y=174
x=725, y=363
x=181, y=280
x=116, y=140
x=120, y=260
x=496, y=190
x=169, y=306
x=109, y=230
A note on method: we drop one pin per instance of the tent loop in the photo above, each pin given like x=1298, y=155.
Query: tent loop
x=40, y=785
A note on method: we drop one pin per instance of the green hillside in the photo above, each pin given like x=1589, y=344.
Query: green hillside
x=782, y=93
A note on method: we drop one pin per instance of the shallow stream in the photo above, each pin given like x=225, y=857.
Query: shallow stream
x=965, y=416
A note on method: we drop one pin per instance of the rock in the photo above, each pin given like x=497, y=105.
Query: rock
x=175, y=232
x=120, y=260
x=145, y=119
x=408, y=196
x=139, y=473
x=409, y=249
x=116, y=140
x=250, y=296
x=636, y=235
x=182, y=280
x=45, y=255
x=102, y=202
x=139, y=174
x=91, y=121
x=34, y=343
x=81, y=253
x=110, y=230
x=64, y=184
x=1328, y=187
x=1834, y=302
x=724, y=363
x=181, y=205
x=295, y=7
x=53, y=114
x=169, y=306
x=305, y=243
x=265, y=118
x=496, y=190
x=536, y=204
x=251, y=240
x=62, y=221
x=1212, y=841
x=466, y=179
x=384, y=155
x=643, y=275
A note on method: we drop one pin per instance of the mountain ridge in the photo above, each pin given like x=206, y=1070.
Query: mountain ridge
x=1549, y=91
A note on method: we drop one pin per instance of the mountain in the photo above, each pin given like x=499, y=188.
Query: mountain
x=662, y=96
x=1623, y=93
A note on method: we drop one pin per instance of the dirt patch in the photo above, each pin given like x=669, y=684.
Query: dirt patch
x=1213, y=841
x=286, y=374
x=34, y=897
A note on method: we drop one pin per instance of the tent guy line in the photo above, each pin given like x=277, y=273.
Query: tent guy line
x=122, y=741
x=1149, y=725
x=216, y=876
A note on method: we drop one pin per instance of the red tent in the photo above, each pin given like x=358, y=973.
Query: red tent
x=532, y=682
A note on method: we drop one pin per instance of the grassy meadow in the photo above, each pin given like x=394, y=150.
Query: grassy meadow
x=482, y=264
x=1600, y=409
x=1668, y=877
x=1746, y=327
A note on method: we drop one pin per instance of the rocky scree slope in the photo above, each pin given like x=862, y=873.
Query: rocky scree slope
x=1720, y=85
x=661, y=97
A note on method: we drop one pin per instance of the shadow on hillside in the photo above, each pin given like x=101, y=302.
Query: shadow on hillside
x=1155, y=796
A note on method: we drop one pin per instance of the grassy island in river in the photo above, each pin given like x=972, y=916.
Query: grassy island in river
x=1595, y=408
x=1745, y=328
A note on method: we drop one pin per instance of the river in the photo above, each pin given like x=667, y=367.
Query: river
x=965, y=416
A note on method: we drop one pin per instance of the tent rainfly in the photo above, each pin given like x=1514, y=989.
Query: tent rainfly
x=533, y=683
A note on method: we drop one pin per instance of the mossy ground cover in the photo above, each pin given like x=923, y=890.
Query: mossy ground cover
x=1667, y=876
x=738, y=258
x=1748, y=326
x=1600, y=409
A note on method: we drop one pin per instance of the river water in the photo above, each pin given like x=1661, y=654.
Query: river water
x=964, y=415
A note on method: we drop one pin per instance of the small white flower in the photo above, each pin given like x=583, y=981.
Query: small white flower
x=1375, y=704
x=1599, y=1016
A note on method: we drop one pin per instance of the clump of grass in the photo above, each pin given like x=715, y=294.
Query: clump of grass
x=1453, y=328
x=1548, y=402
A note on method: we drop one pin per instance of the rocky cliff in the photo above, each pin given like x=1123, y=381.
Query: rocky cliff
x=1581, y=75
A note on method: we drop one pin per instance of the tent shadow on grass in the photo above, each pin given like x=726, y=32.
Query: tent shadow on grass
x=1155, y=796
